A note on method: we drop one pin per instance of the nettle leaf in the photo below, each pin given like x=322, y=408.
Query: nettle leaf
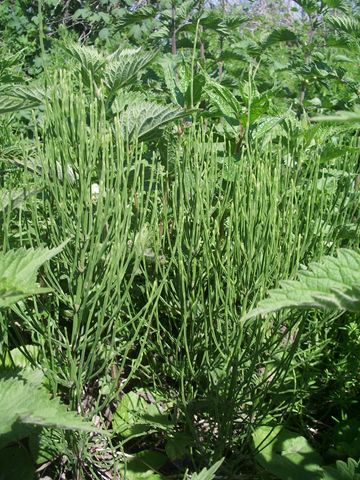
x=30, y=93
x=214, y=20
x=89, y=57
x=91, y=61
x=143, y=119
x=137, y=16
x=286, y=454
x=21, y=97
x=332, y=283
x=25, y=403
x=268, y=127
x=224, y=100
x=169, y=74
x=122, y=71
x=9, y=104
x=235, y=21
x=185, y=9
x=344, y=23
x=178, y=446
x=160, y=32
x=309, y=6
x=341, y=5
x=280, y=35
x=126, y=97
x=343, y=471
x=194, y=90
x=18, y=270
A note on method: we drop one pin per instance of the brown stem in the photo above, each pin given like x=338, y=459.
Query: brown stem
x=202, y=46
x=307, y=58
x=173, y=29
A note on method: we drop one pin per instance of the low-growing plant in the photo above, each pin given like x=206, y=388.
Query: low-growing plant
x=25, y=404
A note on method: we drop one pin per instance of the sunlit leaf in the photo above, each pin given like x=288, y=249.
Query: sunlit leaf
x=331, y=283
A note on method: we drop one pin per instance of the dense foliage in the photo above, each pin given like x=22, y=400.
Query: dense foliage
x=172, y=162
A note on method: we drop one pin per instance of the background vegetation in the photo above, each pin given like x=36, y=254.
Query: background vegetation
x=162, y=166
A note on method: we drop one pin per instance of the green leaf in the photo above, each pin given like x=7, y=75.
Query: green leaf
x=24, y=403
x=136, y=416
x=178, y=446
x=18, y=270
x=332, y=151
x=309, y=6
x=223, y=99
x=21, y=357
x=194, y=90
x=21, y=97
x=341, y=5
x=207, y=473
x=91, y=61
x=280, y=35
x=214, y=20
x=286, y=454
x=344, y=23
x=144, y=465
x=137, y=16
x=143, y=119
x=343, y=471
x=124, y=67
x=332, y=283
x=104, y=33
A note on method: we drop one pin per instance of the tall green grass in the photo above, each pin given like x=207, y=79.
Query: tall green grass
x=166, y=252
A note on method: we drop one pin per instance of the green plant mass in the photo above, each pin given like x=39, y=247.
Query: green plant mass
x=179, y=251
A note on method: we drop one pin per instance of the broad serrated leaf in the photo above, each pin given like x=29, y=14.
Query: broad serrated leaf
x=18, y=270
x=160, y=33
x=143, y=119
x=21, y=97
x=127, y=66
x=24, y=403
x=309, y=6
x=10, y=104
x=341, y=5
x=235, y=21
x=29, y=93
x=333, y=283
x=139, y=15
x=183, y=12
x=280, y=35
x=344, y=23
x=214, y=20
x=343, y=471
x=126, y=97
x=224, y=100
x=266, y=125
x=90, y=60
